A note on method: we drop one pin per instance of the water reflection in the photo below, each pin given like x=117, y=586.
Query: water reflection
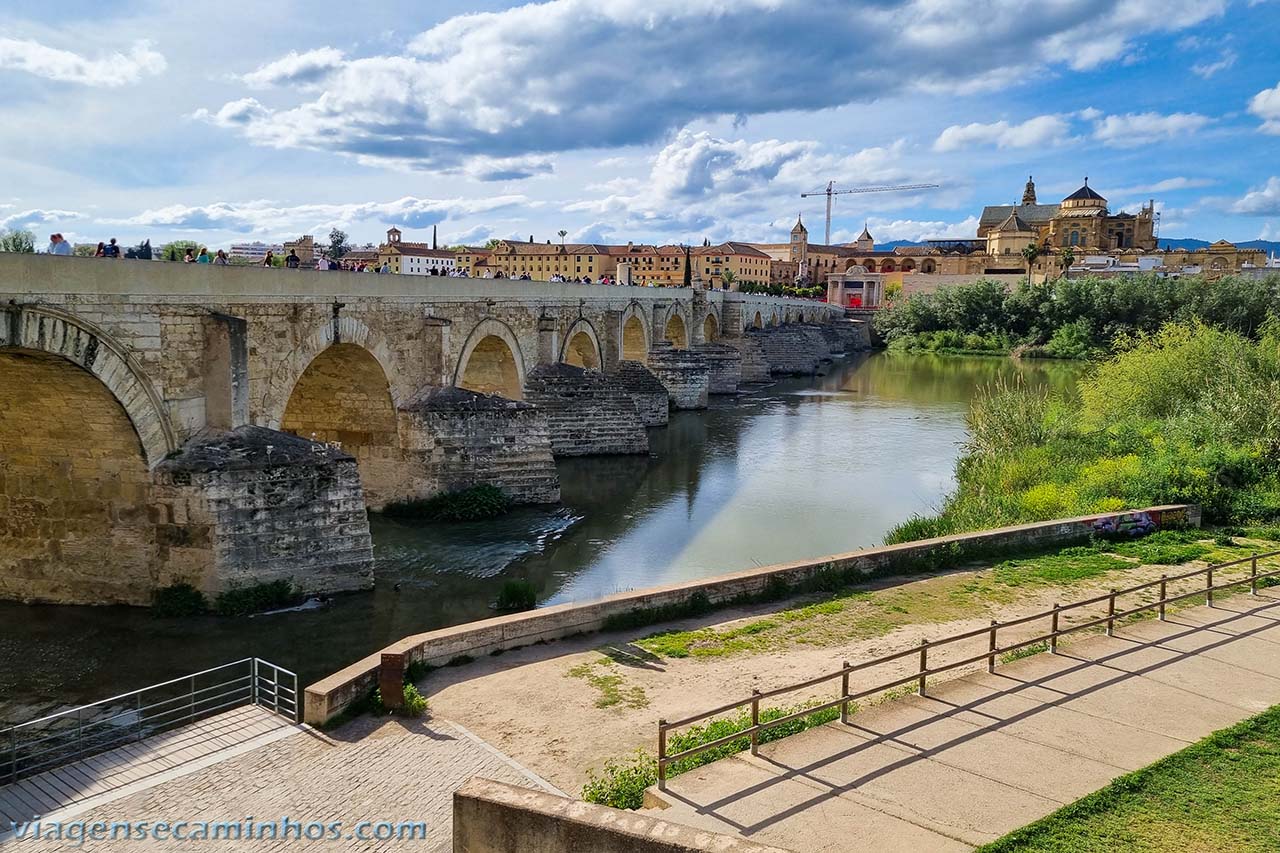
x=801, y=469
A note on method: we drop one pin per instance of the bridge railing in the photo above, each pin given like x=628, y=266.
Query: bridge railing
x=51, y=741
x=920, y=674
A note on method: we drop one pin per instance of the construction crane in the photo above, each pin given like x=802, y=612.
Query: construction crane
x=831, y=191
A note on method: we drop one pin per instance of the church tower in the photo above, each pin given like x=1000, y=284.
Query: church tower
x=800, y=243
x=865, y=242
x=1029, y=194
x=393, y=235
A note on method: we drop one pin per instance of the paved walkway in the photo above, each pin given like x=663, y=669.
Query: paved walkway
x=987, y=753
x=118, y=772
x=390, y=770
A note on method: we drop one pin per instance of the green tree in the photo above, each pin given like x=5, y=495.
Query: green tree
x=1030, y=253
x=177, y=249
x=1066, y=258
x=84, y=250
x=491, y=243
x=18, y=240
x=338, y=243
x=727, y=278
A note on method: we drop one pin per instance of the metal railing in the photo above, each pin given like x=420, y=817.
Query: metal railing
x=989, y=656
x=57, y=739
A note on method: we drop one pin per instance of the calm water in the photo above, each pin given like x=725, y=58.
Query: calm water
x=801, y=469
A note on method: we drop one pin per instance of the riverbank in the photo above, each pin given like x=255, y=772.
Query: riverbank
x=803, y=468
x=565, y=710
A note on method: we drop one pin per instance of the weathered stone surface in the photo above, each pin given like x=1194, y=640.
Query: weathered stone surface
x=684, y=373
x=725, y=365
x=155, y=354
x=254, y=505
x=647, y=393
x=454, y=438
x=588, y=413
x=793, y=350
x=846, y=335
x=755, y=368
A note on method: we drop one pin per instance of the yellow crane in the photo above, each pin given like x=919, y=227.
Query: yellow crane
x=831, y=191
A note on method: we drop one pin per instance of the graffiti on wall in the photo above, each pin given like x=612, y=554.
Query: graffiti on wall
x=1125, y=525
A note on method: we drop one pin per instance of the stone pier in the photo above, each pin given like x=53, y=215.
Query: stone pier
x=588, y=413
x=650, y=396
x=455, y=438
x=725, y=367
x=684, y=373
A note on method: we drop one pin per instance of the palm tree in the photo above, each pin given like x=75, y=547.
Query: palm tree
x=1066, y=257
x=562, y=232
x=1031, y=252
x=727, y=278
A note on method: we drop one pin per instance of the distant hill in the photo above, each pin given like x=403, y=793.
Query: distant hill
x=1268, y=246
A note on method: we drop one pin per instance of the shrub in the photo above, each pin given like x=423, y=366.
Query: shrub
x=621, y=784
x=181, y=599
x=244, y=600
x=476, y=503
x=415, y=704
x=515, y=595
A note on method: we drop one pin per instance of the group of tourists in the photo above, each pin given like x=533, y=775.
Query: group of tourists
x=59, y=245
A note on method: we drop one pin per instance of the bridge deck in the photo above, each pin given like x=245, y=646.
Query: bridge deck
x=987, y=753
x=137, y=764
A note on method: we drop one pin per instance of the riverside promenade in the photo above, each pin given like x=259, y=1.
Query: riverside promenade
x=980, y=755
x=984, y=754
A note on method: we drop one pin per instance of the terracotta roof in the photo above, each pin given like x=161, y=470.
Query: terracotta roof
x=1013, y=223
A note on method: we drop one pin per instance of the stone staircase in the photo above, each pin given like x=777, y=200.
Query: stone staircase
x=588, y=413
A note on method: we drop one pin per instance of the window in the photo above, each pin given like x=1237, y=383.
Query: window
x=1075, y=238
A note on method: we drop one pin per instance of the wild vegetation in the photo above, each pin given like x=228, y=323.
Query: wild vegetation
x=476, y=503
x=1072, y=318
x=1218, y=794
x=1186, y=414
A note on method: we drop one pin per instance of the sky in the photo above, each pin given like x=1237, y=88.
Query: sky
x=643, y=120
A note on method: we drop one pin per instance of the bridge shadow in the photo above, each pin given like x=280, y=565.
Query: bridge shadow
x=1013, y=686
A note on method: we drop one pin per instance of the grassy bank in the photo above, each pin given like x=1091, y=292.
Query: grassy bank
x=1187, y=414
x=1072, y=318
x=1221, y=794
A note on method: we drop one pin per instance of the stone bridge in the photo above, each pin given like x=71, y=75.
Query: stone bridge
x=225, y=426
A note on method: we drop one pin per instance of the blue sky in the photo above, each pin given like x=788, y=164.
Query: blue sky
x=648, y=120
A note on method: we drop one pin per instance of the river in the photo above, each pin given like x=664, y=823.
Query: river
x=802, y=468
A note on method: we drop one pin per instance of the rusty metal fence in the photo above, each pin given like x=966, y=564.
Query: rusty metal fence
x=990, y=656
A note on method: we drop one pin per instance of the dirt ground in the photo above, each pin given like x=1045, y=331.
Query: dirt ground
x=565, y=707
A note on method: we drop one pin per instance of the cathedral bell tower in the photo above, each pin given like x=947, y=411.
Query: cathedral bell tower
x=800, y=243
x=1029, y=194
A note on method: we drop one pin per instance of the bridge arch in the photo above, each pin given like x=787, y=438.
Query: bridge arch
x=59, y=333
x=344, y=397
x=676, y=326
x=75, y=485
x=757, y=322
x=345, y=330
x=710, y=327
x=635, y=334
x=491, y=361
x=582, y=345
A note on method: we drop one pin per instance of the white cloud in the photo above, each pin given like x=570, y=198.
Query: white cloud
x=296, y=69
x=701, y=183
x=1033, y=133
x=268, y=217
x=487, y=83
x=889, y=230
x=1260, y=202
x=29, y=219
x=1266, y=106
x=1134, y=130
x=65, y=66
x=1208, y=69
x=1164, y=186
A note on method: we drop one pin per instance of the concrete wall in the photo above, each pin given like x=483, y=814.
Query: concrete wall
x=329, y=696
x=494, y=817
